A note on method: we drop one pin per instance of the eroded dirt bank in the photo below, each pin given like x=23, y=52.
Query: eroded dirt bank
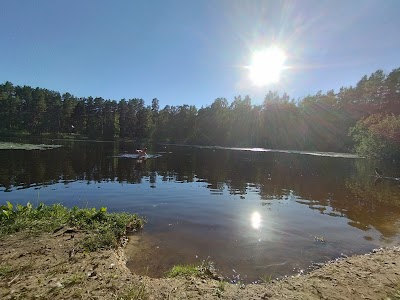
x=53, y=266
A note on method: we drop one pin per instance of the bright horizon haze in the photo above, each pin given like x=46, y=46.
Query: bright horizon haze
x=192, y=52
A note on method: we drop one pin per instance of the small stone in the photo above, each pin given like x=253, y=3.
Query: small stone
x=91, y=273
x=112, y=266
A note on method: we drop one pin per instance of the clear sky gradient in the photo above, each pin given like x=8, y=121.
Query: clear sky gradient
x=193, y=51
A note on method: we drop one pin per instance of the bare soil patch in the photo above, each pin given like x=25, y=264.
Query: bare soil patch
x=55, y=266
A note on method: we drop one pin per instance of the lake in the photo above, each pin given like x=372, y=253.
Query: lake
x=253, y=212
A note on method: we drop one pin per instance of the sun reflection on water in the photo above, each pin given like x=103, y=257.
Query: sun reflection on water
x=255, y=220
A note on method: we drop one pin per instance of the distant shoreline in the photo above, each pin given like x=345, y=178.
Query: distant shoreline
x=255, y=149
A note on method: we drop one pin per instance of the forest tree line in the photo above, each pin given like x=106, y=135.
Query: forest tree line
x=365, y=117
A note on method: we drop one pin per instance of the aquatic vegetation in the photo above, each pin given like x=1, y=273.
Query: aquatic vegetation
x=183, y=270
x=205, y=269
x=18, y=146
x=107, y=228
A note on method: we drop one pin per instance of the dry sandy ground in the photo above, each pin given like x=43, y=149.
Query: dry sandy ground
x=53, y=266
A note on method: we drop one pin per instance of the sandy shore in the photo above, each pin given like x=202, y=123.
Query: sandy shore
x=54, y=266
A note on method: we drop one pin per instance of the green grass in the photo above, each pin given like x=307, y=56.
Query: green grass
x=134, y=292
x=5, y=271
x=106, y=228
x=183, y=271
x=205, y=269
x=8, y=271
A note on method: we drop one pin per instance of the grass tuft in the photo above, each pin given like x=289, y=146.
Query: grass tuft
x=5, y=271
x=206, y=269
x=266, y=278
x=183, y=271
x=135, y=292
x=73, y=280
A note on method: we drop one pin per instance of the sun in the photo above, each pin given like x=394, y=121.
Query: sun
x=267, y=66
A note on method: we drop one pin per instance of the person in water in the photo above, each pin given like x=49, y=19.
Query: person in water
x=142, y=152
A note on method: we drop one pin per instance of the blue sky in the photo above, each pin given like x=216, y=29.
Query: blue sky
x=192, y=51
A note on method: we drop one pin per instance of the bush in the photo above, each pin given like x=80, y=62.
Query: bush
x=377, y=136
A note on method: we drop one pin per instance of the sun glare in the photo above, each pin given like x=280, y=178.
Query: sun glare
x=267, y=65
x=255, y=220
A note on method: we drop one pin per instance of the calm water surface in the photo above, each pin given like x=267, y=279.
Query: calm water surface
x=253, y=213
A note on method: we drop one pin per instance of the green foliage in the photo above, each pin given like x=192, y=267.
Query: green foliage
x=205, y=269
x=183, y=270
x=378, y=136
x=42, y=218
x=106, y=228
